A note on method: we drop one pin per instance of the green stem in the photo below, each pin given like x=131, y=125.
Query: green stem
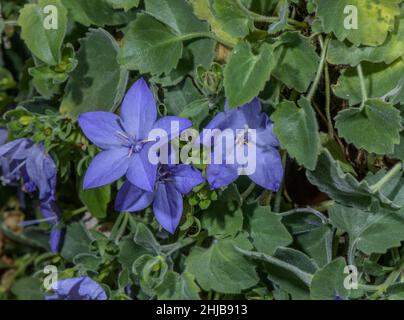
x=278, y=197
x=11, y=23
x=302, y=275
x=351, y=252
x=316, y=82
x=378, y=185
x=328, y=100
x=249, y=190
x=390, y=280
x=78, y=211
x=119, y=227
x=261, y=18
x=363, y=85
x=210, y=35
x=322, y=217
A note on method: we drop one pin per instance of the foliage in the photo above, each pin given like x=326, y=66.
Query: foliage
x=334, y=96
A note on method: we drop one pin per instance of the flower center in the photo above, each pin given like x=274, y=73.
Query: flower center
x=163, y=174
x=242, y=138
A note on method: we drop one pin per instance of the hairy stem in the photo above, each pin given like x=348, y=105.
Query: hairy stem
x=317, y=79
x=363, y=85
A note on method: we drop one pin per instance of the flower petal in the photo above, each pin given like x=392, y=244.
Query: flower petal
x=139, y=111
x=54, y=240
x=173, y=126
x=186, y=177
x=101, y=128
x=168, y=206
x=82, y=288
x=220, y=175
x=142, y=173
x=130, y=198
x=269, y=170
x=265, y=135
x=107, y=167
x=3, y=136
x=16, y=150
x=42, y=171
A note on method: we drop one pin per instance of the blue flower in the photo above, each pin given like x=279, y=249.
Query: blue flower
x=172, y=182
x=125, y=139
x=24, y=162
x=82, y=288
x=268, y=172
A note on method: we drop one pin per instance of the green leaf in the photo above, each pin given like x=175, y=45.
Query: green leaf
x=343, y=187
x=44, y=42
x=246, y=73
x=91, y=88
x=28, y=288
x=95, y=12
x=129, y=252
x=369, y=230
x=224, y=218
x=388, y=79
x=296, y=61
x=145, y=238
x=124, y=4
x=177, y=14
x=297, y=131
x=399, y=149
x=266, y=230
x=203, y=11
x=232, y=18
x=150, y=46
x=96, y=200
x=375, y=19
x=177, y=98
x=221, y=268
x=317, y=244
x=197, y=111
x=375, y=127
x=290, y=269
x=392, y=49
x=283, y=18
x=328, y=283
x=76, y=241
x=178, y=287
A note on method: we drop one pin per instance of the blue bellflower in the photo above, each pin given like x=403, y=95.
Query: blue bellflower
x=172, y=182
x=124, y=140
x=82, y=288
x=24, y=162
x=269, y=171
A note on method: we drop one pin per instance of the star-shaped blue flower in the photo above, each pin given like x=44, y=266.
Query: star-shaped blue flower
x=269, y=172
x=125, y=139
x=172, y=182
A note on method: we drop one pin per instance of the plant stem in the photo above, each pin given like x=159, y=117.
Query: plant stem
x=363, y=85
x=261, y=18
x=249, y=190
x=378, y=185
x=11, y=23
x=351, y=252
x=278, y=197
x=380, y=289
x=210, y=35
x=323, y=218
x=316, y=82
x=328, y=100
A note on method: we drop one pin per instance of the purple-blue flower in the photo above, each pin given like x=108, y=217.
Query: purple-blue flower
x=124, y=139
x=172, y=182
x=26, y=164
x=268, y=172
x=82, y=288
